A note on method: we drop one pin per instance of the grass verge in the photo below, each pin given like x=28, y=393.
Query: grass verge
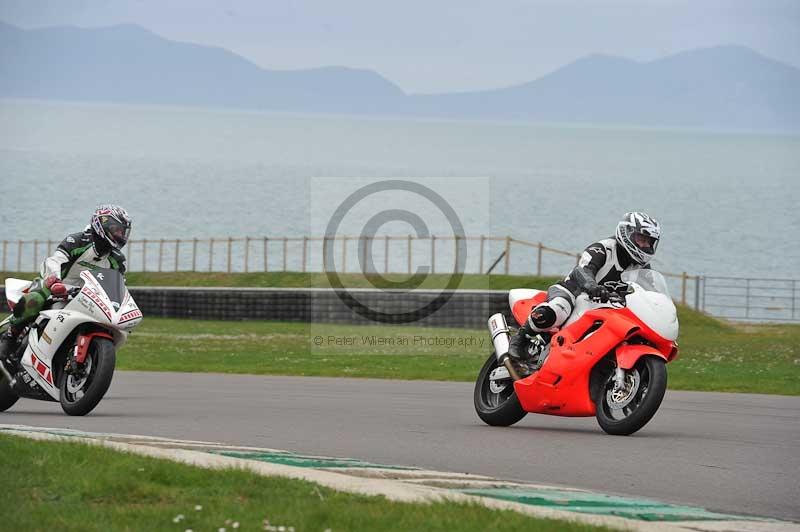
x=320, y=280
x=74, y=486
x=714, y=356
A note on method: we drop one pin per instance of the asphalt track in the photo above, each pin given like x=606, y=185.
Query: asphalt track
x=734, y=453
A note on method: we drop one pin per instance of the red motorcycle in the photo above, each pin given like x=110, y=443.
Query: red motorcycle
x=608, y=360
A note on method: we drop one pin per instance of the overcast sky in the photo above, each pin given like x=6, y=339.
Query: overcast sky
x=440, y=45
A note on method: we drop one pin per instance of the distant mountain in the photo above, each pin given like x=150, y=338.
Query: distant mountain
x=724, y=86
x=720, y=87
x=130, y=64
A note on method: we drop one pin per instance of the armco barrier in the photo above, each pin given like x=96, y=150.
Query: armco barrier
x=464, y=309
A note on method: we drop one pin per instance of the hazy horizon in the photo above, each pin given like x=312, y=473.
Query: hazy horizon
x=446, y=47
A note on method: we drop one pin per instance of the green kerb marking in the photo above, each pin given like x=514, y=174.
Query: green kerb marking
x=305, y=461
x=599, y=504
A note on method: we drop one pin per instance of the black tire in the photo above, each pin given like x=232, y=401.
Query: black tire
x=639, y=406
x=7, y=395
x=103, y=359
x=496, y=409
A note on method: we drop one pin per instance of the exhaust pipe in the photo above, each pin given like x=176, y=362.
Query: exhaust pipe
x=498, y=328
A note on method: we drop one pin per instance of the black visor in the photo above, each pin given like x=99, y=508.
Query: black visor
x=646, y=243
x=116, y=231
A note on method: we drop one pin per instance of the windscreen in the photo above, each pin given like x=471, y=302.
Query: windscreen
x=649, y=280
x=113, y=284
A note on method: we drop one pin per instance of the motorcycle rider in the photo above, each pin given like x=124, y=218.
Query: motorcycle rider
x=598, y=273
x=98, y=246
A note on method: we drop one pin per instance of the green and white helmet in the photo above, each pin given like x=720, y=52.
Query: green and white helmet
x=639, y=234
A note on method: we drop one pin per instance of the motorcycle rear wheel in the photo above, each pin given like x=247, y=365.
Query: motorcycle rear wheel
x=622, y=415
x=496, y=409
x=101, y=360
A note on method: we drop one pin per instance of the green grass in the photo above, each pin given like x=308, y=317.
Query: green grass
x=74, y=486
x=319, y=280
x=714, y=356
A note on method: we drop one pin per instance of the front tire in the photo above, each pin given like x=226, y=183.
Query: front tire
x=7, y=395
x=623, y=413
x=499, y=408
x=79, y=395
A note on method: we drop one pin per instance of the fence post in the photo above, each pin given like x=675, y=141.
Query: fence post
x=5, y=250
x=285, y=245
x=266, y=264
x=433, y=253
x=747, y=299
x=344, y=254
x=194, y=254
x=408, y=255
x=794, y=295
x=703, y=300
x=160, y=252
x=697, y=292
x=683, y=288
x=19, y=255
x=305, y=252
x=539, y=260
x=246, y=254
x=230, y=244
x=386, y=254
x=177, y=252
x=480, y=263
x=508, y=255
x=365, y=240
x=144, y=255
x=455, y=254
x=35, y=254
x=210, y=254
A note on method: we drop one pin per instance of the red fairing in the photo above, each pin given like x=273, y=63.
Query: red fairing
x=561, y=386
x=84, y=340
x=522, y=309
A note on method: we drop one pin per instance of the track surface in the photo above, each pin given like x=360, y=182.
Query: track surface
x=732, y=453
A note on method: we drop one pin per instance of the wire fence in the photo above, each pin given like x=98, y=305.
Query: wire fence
x=727, y=297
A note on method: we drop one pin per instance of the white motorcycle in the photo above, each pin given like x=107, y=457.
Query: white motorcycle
x=68, y=354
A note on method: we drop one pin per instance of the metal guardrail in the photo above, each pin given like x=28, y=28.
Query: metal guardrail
x=751, y=299
x=727, y=297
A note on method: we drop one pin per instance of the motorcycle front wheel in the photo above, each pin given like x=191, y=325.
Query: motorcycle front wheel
x=80, y=393
x=496, y=403
x=623, y=412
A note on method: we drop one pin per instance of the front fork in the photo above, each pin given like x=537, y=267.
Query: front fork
x=619, y=379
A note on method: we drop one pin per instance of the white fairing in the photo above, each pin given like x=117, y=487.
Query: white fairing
x=656, y=310
x=649, y=301
x=519, y=294
x=91, y=305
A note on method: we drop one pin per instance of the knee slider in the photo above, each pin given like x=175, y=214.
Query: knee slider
x=543, y=317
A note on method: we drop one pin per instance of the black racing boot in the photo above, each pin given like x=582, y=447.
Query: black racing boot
x=518, y=345
x=8, y=343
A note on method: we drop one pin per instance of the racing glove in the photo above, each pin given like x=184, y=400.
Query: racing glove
x=56, y=287
x=599, y=293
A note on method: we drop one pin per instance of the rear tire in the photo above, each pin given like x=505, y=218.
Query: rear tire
x=7, y=395
x=103, y=359
x=496, y=409
x=642, y=404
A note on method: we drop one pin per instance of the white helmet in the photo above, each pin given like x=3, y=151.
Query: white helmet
x=639, y=234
